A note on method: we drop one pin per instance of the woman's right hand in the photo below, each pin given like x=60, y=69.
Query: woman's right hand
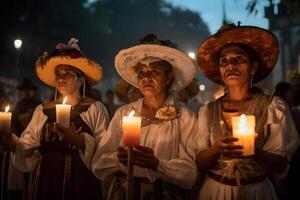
x=206, y=159
x=123, y=154
x=225, y=146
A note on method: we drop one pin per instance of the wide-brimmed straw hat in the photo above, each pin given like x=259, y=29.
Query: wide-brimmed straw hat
x=184, y=68
x=122, y=89
x=67, y=55
x=263, y=41
x=27, y=84
x=193, y=88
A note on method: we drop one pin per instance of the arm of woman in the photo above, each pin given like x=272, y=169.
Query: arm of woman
x=282, y=139
x=207, y=158
x=182, y=170
x=97, y=119
x=24, y=155
x=105, y=161
x=208, y=152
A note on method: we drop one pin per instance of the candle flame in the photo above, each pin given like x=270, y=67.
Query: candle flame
x=65, y=100
x=7, y=108
x=243, y=124
x=131, y=114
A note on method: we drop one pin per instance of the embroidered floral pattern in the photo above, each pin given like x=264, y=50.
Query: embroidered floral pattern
x=166, y=113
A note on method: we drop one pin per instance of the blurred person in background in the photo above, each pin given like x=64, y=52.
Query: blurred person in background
x=18, y=181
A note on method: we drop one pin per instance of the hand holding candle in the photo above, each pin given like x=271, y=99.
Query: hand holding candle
x=243, y=128
x=131, y=130
x=5, y=120
x=63, y=114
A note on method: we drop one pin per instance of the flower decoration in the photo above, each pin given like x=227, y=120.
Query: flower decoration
x=70, y=50
x=152, y=39
x=166, y=113
x=60, y=46
x=72, y=45
x=43, y=58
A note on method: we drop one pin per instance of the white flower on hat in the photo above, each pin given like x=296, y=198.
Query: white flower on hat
x=73, y=43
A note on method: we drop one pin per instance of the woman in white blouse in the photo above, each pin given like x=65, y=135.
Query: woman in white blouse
x=60, y=157
x=163, y=165
x=238, y=57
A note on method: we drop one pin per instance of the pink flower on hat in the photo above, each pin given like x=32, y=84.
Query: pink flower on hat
x=73, y=43
x=60, y=46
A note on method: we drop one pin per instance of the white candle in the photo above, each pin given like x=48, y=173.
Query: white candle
x=131, y=130
x=5, y=120
x=63, y=113
x=243, y=128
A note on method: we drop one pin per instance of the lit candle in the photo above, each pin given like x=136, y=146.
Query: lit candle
x=63, y=113
x=243, y=128
x=131, y=130
x=5, y=120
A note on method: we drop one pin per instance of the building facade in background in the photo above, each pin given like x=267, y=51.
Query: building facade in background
x=284, y=22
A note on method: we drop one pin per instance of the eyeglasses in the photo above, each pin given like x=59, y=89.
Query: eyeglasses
x=237, y=60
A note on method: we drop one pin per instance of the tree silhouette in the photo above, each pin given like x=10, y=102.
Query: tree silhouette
x=103, y=27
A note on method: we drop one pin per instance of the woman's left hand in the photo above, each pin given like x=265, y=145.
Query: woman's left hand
x=144, y=157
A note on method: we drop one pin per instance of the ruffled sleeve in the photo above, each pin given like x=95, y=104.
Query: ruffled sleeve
x=96, y=117
x=282, y=136
x=26, y=156
x=182, y=170
x=201, y=140
x=105, y=161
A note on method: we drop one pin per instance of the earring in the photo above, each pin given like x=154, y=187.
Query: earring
x=251, y=81
x=55, y=94
x=83, y=89
x=226, y=91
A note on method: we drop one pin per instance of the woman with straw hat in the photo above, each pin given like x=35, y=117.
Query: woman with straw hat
x=237, y=57
x=60, y=156
x=162, y=163
x=126, y=92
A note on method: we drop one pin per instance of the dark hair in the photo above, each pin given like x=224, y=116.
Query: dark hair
x=281, y=89
x=297, y=96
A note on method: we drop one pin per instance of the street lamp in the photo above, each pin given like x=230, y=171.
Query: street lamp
x=192, y=55
x=18, y=44
x=202, y=87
